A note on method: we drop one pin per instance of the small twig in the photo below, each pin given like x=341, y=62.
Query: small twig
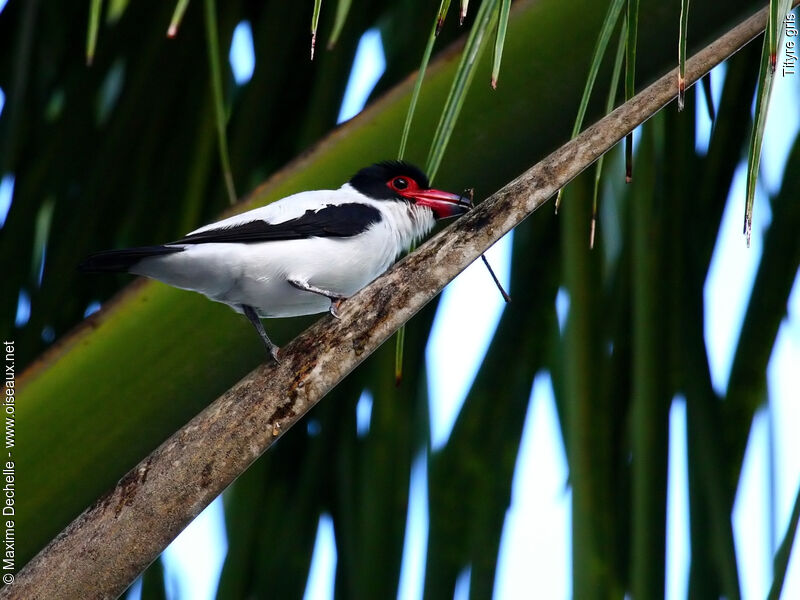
x=470, y=192
x=499, y=285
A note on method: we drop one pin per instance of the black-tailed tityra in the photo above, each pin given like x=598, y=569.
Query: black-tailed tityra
x=302, y=254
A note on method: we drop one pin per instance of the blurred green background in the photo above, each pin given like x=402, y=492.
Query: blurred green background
x=124, y=152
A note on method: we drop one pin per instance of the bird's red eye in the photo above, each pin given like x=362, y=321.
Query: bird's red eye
x=399, y=183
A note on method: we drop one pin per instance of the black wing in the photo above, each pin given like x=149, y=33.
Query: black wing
x=334, y=220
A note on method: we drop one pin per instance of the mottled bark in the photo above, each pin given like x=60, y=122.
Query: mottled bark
x=100, y=553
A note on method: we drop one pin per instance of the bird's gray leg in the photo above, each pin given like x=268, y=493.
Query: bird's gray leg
x=307, y=287
x=251, y=315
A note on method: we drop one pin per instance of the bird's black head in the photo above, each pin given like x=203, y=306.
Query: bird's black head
x=398, y=180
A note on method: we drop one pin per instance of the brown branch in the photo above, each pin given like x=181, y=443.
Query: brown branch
x=102, y=551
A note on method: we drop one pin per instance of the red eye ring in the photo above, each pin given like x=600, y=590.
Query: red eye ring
x=399, y=183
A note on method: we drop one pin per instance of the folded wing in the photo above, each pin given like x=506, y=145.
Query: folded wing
x=333, y=220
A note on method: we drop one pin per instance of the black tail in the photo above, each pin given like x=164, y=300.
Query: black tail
x=114, y=261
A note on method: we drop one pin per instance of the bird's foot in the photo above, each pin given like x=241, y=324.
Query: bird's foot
x=336, y=303
x=274, y=351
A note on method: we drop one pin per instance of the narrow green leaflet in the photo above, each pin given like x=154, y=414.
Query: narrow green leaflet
x=784, y=552
x=476, y=43
x=682, y=52
x=94, y=24
x=44, y=220
x=502, y=25
x=612, y=94
x=314, y=23
x=437, y=27
x=342, y=10
x=421, y=75
x=765, y=80
x=212, y=42
x=610, y=21
x=630, y=77
x=177, y=17
x=115, y=10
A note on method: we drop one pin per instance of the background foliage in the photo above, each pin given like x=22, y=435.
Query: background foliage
x=124, y=153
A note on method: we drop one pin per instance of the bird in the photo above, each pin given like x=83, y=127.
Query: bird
x=302, y=254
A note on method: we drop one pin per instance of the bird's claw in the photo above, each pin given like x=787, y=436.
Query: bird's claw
x=274, y=351
x=335, y=305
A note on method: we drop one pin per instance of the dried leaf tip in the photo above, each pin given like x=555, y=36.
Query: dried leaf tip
x=499, y=285
x=592, y=228
x=748, y=225
x=629, y=157
x=463, y=14
x=314, y=24
x=177, y=17
x=439, y=25
x=494, y=83
x=773, y=64
x=470, y=193
x=681, y=93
